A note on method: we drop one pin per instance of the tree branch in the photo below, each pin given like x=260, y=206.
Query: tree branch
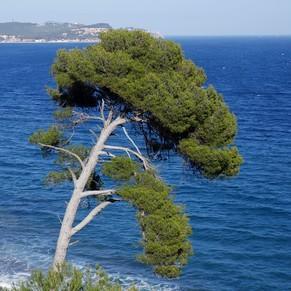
x=70, y=138
x=109, y=118
x=90, y=216
x=118, y=121
x=74, y=178
x=138, y=119
x=73, y=243
x=65, y=151
x=131, y=140
x=85, y=116
x=61, y=222
x=107, y=154
x=98, y=193
x=146, y=164
x=101, y=108
x=94, y=133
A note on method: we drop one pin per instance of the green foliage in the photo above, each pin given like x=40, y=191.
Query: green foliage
x=54, y=93
x=63, y=113
x=67, y=159
x=57, y=177
x=53, y=136
x=166, y=229
x=212, y=162
x=156, y=53
x=69, y=278
x=152, y=77
x=120, y=168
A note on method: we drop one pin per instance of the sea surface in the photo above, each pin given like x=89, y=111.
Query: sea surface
x=241, y=226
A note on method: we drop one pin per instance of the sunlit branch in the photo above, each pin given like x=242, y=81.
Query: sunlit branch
x=109, y=118
x=101, y=108
x=98, y=193
x=65, y=151
x=139, y=156
x=90, y=216
x=74, y=178
x=106, y=153
x=84, y=117
x=131, y=140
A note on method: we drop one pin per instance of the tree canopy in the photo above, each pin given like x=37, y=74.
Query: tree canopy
x=135, y=77
x=150, y=77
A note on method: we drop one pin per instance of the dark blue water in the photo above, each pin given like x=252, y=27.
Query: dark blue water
x=242, y=226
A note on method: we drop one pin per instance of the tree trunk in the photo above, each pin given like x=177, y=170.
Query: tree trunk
x=66, y=230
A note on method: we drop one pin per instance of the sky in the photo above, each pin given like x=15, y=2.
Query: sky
x=169, y=17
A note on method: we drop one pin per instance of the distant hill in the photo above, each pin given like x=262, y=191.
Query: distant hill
x=50, y=31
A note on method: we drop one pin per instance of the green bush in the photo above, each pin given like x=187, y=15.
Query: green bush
x=69, y=278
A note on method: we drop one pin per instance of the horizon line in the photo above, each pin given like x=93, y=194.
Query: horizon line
x=227, y=35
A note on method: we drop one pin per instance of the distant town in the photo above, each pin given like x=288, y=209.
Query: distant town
x=25, y=32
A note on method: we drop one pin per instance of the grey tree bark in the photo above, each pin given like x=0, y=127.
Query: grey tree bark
x=67, y=228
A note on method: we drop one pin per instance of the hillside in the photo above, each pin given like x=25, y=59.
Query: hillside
x=50, y=31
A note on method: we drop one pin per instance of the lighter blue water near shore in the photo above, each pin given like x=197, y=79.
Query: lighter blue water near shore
x=242, y=226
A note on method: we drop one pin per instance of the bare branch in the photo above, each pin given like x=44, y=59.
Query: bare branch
x=74, y=242
x=70, y=138
x=85, y=116
x=94, y=133
x=128, y=154
x=118, y=121
x=138, y=119
x=90, y=216
x=109, y=118
x=88, y=117
x=98, y=193
x=106, y=153
x=65, y=151
x=101, y=108
x=140, y=156
x=60, y=220
x=74, y=178
x=131, y=140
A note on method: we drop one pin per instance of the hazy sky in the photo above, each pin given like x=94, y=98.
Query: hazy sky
x=170, y=17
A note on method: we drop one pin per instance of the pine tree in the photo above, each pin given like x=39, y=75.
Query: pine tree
x=134, y=78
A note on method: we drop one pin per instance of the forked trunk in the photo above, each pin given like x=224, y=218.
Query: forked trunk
x=67, y=228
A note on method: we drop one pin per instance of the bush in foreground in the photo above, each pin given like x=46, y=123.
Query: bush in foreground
x=70, y=278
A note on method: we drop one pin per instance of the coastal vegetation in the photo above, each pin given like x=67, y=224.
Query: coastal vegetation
x=70, y=278
x=134, y=80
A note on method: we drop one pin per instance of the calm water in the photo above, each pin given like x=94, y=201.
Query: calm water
x=242, y=226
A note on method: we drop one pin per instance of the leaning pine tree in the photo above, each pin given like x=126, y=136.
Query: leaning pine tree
x=134, y=78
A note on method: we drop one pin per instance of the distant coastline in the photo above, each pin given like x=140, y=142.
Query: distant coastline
x=50, y=42
x=54, y=32
x=50, y=32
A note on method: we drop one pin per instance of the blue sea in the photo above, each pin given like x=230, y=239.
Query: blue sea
x=241, y=226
